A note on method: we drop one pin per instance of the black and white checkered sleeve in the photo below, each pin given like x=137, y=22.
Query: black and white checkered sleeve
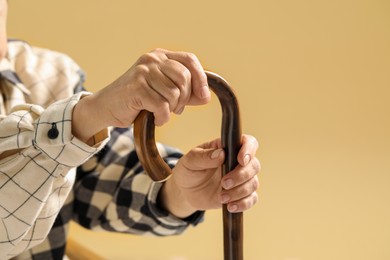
x=113, y=193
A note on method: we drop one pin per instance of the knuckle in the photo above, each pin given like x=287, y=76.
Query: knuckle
x=162, y=106
x=255, y=142
x=183, y=78
x=256, y=166
x=191, y=57
x=175, y=94
x=192, y=160
x=255, y=199
x=255, y=184
x=252, y=140
x=148, y=58
x=159, y=50
x=183, y=85
x=248, y=190
x=141, y=70
x=199, y=155
x=249, y=202
x=186, y=74
x=173, y=98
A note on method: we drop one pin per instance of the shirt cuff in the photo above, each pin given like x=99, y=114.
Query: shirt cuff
x=53, y=134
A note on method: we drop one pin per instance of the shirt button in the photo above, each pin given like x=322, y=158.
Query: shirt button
x=53, y=132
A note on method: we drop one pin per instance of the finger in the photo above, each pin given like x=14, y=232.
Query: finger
x=215, y=144
x=241, y=196
x=199, y=84
x=199, y=159
x=241, y=191
x=160, y=109
x=161, y=84
x=241, y=175
x=248, y=149
x=181, y=77
x=243, y=204
x=152, y=101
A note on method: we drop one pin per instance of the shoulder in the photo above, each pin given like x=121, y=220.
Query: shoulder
x=48, y=74
x=20, y=54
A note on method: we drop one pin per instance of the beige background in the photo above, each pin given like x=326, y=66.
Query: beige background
x=313, y=80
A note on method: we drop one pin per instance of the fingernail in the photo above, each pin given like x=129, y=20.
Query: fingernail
x=216, y=154
x=247, y=158
x=205, y=92
x=232, y=208
x=225, y=198
x=228, y=183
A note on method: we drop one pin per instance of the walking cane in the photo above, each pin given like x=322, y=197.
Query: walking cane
x=158, y=170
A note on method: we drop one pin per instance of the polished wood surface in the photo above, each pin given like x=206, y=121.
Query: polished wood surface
x=231, y=142
x=147, y=151
x=158, y=170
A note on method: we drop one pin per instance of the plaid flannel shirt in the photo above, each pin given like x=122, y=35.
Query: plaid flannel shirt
x=48, y=177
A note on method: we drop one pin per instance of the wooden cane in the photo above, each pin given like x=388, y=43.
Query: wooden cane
x=159, y=171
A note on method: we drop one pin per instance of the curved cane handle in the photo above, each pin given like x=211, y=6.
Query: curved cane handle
x=158, y=170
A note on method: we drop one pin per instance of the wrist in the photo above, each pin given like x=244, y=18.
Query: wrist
x=86, y=119
x=172, y=199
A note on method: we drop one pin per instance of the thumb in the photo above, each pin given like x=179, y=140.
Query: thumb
x=199, y=159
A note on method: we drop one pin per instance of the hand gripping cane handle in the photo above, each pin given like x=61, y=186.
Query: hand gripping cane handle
x=159, y=171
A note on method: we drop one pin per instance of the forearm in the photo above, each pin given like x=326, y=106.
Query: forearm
x=32, y=202
x=36, y=171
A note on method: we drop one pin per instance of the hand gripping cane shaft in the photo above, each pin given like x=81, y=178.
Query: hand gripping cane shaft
x=158, y=170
